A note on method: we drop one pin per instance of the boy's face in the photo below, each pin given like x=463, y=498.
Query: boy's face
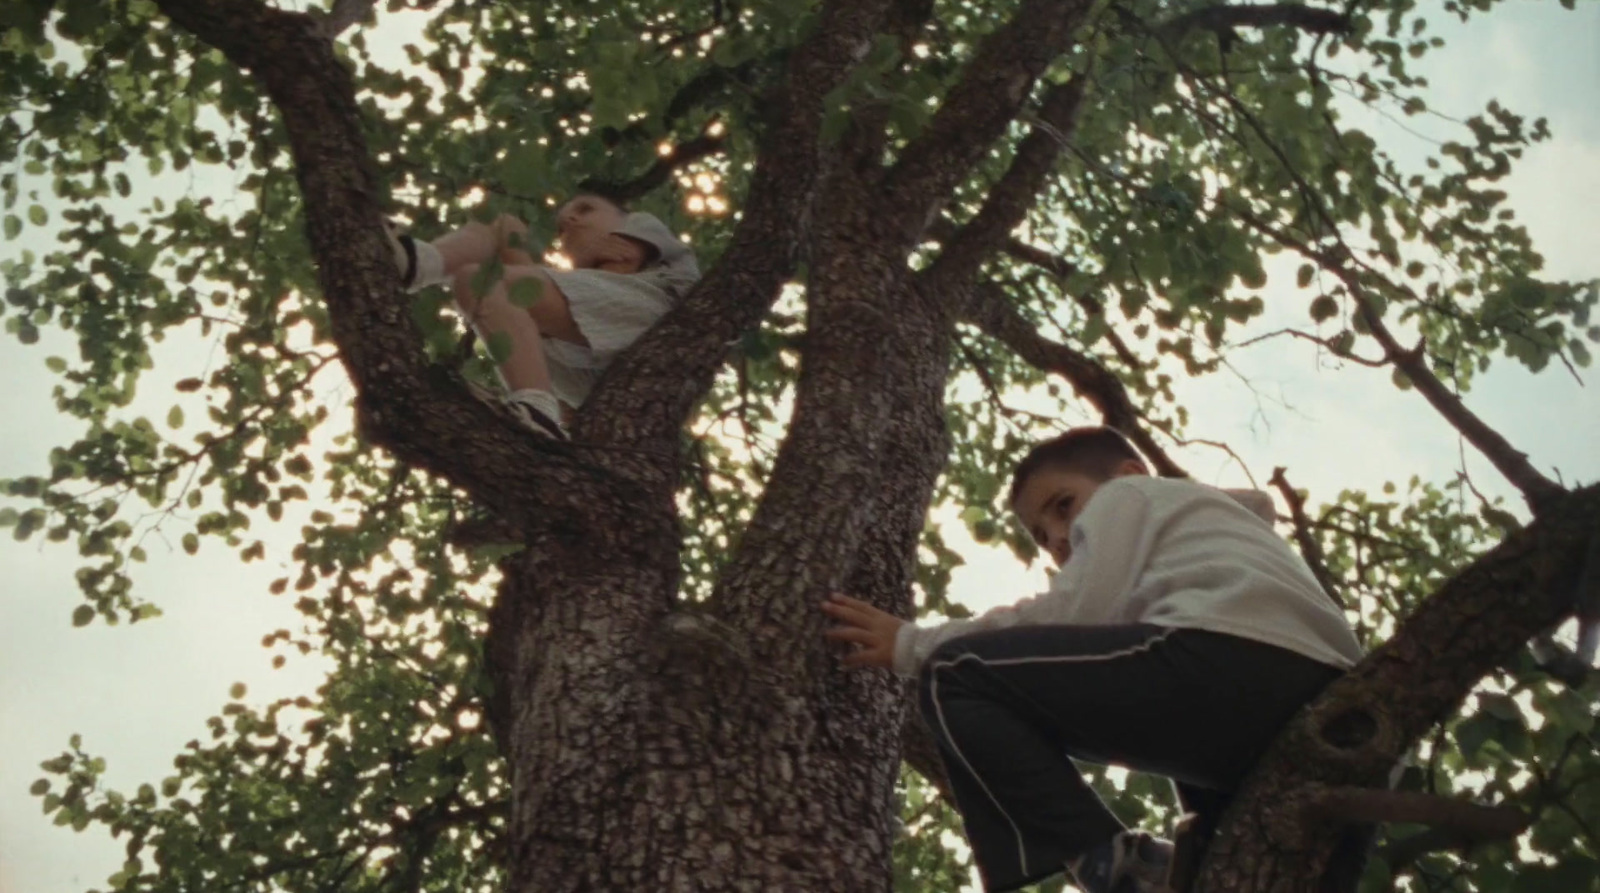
x=1052, y=498
x=584, y=226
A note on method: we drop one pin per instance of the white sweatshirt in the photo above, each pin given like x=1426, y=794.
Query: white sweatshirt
x=1172, y=553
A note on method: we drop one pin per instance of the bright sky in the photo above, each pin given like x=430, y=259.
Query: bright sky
x=137, y=693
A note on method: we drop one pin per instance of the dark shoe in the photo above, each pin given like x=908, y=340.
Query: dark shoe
x=1132, y=862
x=525, y=408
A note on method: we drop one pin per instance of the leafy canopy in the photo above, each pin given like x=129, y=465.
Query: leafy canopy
x=155, y=215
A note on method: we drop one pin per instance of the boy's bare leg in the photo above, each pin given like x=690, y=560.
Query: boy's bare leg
x=477, y=243
x=551, y=313
x=524, y=368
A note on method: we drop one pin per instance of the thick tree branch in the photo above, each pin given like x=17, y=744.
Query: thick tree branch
x=1366, y=721
x=1471, y=821
x=993, y=89
x=647, y=394
x=681, y=154
x=1007, y=204
x=418, y=411
x=344, y=14
x=989, y=309
x=1310, y=549
x=1247, y=15
x=1537, y=489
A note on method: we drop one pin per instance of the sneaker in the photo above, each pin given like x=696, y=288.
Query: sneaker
x=1131, y=862
x=419, y=263
x=405, y=253
x=538, y=411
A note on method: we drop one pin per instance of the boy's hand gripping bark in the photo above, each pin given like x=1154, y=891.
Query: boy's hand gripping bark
x=870, y=630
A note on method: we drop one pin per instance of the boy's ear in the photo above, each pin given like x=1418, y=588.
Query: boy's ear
x=1130, y=466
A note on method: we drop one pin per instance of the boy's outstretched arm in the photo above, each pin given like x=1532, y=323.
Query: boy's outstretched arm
x=872, y=631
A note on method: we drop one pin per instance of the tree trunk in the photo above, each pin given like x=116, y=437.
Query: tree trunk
x=656, y=745
x=651, y=753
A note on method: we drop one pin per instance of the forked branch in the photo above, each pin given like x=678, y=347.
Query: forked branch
x=1061, y=268
x=993, y=89
x=405, y=404
x=1538, y=490
x=648, y=393
x=965, y=249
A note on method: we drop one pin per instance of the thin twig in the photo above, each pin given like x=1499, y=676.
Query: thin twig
x=1310, y=549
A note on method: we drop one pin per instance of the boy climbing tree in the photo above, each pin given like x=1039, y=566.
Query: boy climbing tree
x=1178, y=636
x=921, y=195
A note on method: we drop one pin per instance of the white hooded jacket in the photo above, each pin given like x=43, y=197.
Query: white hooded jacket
x=1172, y=553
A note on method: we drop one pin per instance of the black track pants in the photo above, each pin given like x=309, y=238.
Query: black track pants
x=1009, y=706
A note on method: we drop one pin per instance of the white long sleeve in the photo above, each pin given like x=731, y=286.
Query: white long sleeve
x=1172, y=553
x=1107, y=562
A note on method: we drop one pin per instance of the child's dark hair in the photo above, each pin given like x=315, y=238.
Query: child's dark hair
x=1093, y=452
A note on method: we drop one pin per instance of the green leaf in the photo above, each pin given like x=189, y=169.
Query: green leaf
x=499, y=346
x=1303, y=276
x=1580, y=353
x=1574, y=872
x=1474, y=732
x=13, y=226
x=1324, y=308
x=40, y=788
x=37, y=215
x=191, y=543
x=82, y=615
x=525, y=292
x=175, y=417
x=237, y=691
x=487, y=276
x=1499, y=706
x=525, y=171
